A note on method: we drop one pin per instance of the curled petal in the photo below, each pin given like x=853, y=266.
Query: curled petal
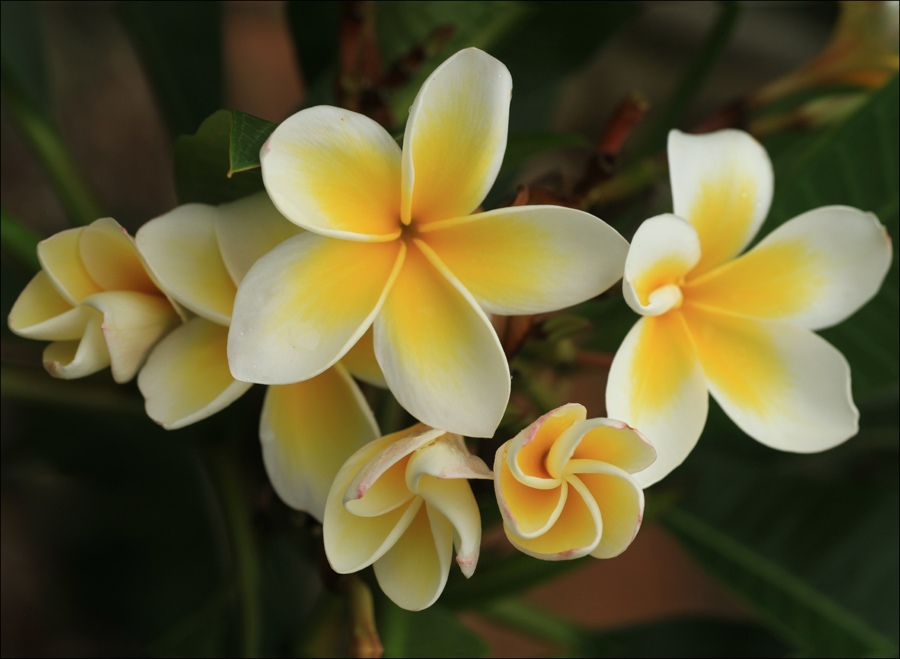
x=183, y=253
x=722, y=183
x=77, y=359
x=132, y=324
x=247, y=229
x=440, y=355
x=360, y=360
x=335, y=172
x=813, y=271
x=60, y=257
x=186, y=377
x=453, y=500
x=446, y=457
x=664, y=249
x=305, y=303
x=600, y=440
x=527, y=511
x=783, y=385
x=575, y=533
x=110, y=257
x=529, y=259
x=656, y=385
x=308, y=430
x=455, y=137
x=528, y=450
x=414, y=571
x=40, y=312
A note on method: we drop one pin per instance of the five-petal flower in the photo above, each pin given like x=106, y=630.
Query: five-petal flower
x=565, y=485
x=403, y=504
x=391, y=243
x=740, y=326
x=199, y=254
x=95, y=300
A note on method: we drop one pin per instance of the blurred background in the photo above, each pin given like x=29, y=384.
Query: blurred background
x=114, y=540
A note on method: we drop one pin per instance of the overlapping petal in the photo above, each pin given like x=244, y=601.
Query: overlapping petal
x=111, y=260
x=722, y=183
x=360, y=360
x=308, y=430
x=435, y=345
x=529, y=511
x=813, y=271
x=455, y=137
x=182, y=251
x=621, y=503
x=77, y=359
x=304, y=305
x=600, y=440
x=529, y=449
x=40, y=312
x=783, y=385
x=60, y=257
x=529, y=259
x=186, y=377
x=335, y=172
x=656, y=384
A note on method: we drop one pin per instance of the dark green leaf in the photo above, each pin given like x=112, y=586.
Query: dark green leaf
x=181, y=48
x=19, y=241
x=434, y=632
x=221, y=162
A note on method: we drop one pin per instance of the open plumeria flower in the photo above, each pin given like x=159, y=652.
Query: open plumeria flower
x=739, y=326
x=565, y=485
x=95, y=300
x=403, y=504
x=391, y=243
x=199, y=254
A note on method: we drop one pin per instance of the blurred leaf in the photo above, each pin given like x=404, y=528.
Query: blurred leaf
x=856, y=164
x=221, y=161
x=180, y=46
x=521, y=147
x=19, y=241
x=434, y=632
x=402, y=26
x=314, y=27
x=22, y=49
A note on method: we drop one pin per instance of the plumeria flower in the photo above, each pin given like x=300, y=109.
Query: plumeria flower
x=199, y=254
x=95, y=300
x=391, y=243
x=740, y=326
x=565, y=485
x=403, y=504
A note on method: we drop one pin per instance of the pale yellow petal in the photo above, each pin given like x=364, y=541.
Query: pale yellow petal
x=813, y=271
x=335, y=172
x=415, y=570
x=186, y=377
x=40, y=312
x=722, y=183
x=111, y=259
x=455, y=137
x=438, y=351
x=656, y=385
x=249, y=228
x=529, y=449
x=308, y=431
x=620, y=501
x=529, y=259
x=77, y=359
x=602, y=440
x=527, y=511
x=452, y=498
x=183, y=253
x=360, y=360
x=60, y=257
x=305, y=304
x=445, y=458
x=783, y=385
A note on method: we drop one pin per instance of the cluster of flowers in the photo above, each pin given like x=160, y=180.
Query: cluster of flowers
x=364, y=259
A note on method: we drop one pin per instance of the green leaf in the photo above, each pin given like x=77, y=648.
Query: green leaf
x=19, y=241
x=434, y=632
x=856, y=164
x=180, y=46
x=221, y=161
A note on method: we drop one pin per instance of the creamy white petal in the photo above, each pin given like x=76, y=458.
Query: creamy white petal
x=186, y=377
x=455, y=137
x=529, y=259
x=111, y=259
x=60, y=257
x=453, y=498
x=334, y=172
x=446, y=457
x=40, y=312
x=360, y=360
x=77, y=359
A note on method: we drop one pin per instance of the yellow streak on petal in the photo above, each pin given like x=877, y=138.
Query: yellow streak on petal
x=662, y=363
x=532, y=457
x=388, y=492
x=60, y=258
x=361, y=362
x=770, y=281
x=530, y=507
x=669, y=270
x=112, y=259
x=722, y=213
x=620, y=509
x=741, y=359
x=621, y=447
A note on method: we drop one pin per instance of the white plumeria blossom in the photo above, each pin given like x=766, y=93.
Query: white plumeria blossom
x=740, y=327
x=565, y=485
x=391, y=244
x=402, y=503
x=199, y=254
x=95, y=300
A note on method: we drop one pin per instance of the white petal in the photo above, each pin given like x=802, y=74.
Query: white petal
x=60, y=257
x=454, y=500
x=446, y=457
x=77, y=359
x=186, y=377
x=40, y=312
x=360, y=360
x=111, y=259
